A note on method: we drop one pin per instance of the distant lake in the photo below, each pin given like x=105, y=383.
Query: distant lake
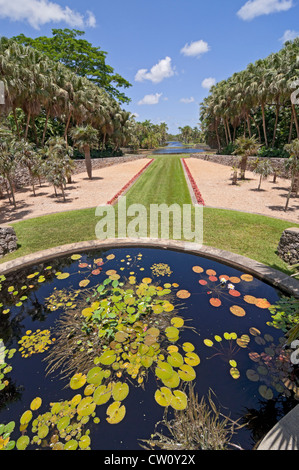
x=176, y=147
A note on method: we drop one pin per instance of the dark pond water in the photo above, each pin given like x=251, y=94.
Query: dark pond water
x=225, y=321
x=176, y=148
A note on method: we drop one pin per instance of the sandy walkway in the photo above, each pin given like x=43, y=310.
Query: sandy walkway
x=214, y=183
x=81, y=194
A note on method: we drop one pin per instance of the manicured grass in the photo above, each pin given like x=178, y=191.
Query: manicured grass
x=250, y=235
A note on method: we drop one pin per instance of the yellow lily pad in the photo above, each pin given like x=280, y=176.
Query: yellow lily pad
x=116, y=412
x=179, y=400
x=163, y=396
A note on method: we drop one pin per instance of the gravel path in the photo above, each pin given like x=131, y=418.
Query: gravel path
x=214, y=183
x=212, y=179
x=82, y=193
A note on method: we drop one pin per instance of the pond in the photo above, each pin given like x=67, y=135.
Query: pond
x=95, y=347
x=177, y=148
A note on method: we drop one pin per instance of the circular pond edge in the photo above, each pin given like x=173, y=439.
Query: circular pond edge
x=261, y=271
x=285, y=427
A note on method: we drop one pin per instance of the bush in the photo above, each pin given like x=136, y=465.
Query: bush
x=228, y=150
x=273, y=153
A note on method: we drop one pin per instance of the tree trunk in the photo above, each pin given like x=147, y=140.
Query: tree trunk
x=63, y=193
x=27, y=125
x=264, y=124
x=248, y=124
x=225, y=130
x=290, y=192
x=88, y=162
x=243, y=166
x=228, y=130
x=261, y=177
x=67, y=126
x=291, y=128
x=295, y=120
x=12, y=192
x=45, y=128
x=16, y=121
x=276, y=122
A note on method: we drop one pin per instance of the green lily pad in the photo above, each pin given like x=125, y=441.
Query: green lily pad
x=163, y=396
x=71, y=445
x=175, y=359
x=120, y=391
x=77, y=381
x=116, y=412
x=266, y=392
x=86, y=406
x=252, y=375
x=187, y=373
x=164, y=370
x=102, y=394
x=173, y=382
x=179, y=400
x=84, y=442
x=95, y=376
x=108, y=357
x=192, y=359
x=22, y=442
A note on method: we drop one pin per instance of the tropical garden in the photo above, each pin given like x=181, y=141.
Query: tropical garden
x=258, y=101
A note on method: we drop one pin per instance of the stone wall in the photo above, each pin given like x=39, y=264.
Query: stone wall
x=22, y=177
x=232, y=160
x=8, y=240
x=288, y=248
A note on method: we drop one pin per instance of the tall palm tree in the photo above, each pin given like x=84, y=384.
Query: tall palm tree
x=85, y=138
x=246, y=147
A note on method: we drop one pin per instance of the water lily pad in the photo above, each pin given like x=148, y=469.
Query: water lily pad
x=247, y=277
x=26, y=417
x=250, y=299
x=75, y=257
x=116, y=412
x=86, y=406
x=147, y=361
x=183, y=294
x=252, y=375
x=187, y=373
x=102, y=394
x=77, y=381
x=71, y=445
x=237, y=311
x=164, y=370
x=262, y=303
x=215, y=302
x=175, y=359
x=43, y=431
x=243, y=341
x=179, y=400
x=192, y=359
x=177, y=322
x=163, y=396
x=235, y=373
x=188, y=347
x=120, y=391
x=208, y=342
x=108, y=357
x=197, y=269
x=84, y=283
x=63, y=276
x=63, y=423
x=22, y=442
x=172, y=332
x=36, y=403
x=254, y=331
x=173, y=382
x=95, y=376
x=266, y=392
x=84, y=442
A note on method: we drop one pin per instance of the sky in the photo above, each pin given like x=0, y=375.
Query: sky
x=171, y=51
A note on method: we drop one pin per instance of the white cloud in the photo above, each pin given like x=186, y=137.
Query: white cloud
x=208, y=82
x=195, y=49
x=289, y=35
x=150, y=99
x=254, y=8
x=40, y=12
x=163, y=69
x=187, y=100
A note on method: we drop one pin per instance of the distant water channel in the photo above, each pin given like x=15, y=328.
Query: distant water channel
x=176, y=147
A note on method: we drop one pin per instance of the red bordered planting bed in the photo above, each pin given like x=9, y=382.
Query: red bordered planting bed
x=126, y=187
x=195, y=189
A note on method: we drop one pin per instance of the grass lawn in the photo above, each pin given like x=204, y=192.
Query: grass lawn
x=250, y=235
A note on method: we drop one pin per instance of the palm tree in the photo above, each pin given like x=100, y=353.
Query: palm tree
x=85, y=138
x=26, y=155
x=264, y=169
x=246, y=147
x=292, y=165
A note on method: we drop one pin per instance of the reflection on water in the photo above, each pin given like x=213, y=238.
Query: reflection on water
x=176, y=147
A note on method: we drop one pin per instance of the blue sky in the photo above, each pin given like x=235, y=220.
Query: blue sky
x=167, y=49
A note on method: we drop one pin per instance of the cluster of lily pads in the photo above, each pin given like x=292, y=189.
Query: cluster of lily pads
x=113, y=333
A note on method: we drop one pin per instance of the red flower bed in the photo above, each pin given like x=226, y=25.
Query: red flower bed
x=114, y=199
x=194, y=185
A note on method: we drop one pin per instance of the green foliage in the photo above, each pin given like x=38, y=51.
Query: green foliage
x=273, y=153
x=285, y=315
x=68, y=47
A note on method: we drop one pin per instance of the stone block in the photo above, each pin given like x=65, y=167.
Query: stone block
x=288, y=248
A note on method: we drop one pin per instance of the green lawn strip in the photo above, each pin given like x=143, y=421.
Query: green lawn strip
x=249, y=235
